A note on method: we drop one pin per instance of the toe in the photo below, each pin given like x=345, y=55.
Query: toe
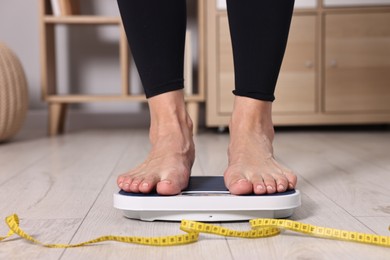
x=259, y=186
x=148, y=184
x=168, y=187
x=238, y=184
x=291, y=178
x=270, y=184
x=120, y=180
x=134, y=187
x=290, y=175
x=126, y=182
x=281, y=182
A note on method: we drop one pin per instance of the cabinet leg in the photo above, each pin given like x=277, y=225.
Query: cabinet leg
x=193, y=111
x=57, y=116
x=222, y=129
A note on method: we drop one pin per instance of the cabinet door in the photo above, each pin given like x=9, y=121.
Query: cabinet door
x=357, y=63
x=295, y=91
x=225, y=67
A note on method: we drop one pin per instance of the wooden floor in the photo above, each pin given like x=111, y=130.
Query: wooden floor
x=62, y=190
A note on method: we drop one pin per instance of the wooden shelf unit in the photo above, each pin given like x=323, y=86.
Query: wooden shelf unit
x=336, y=69
x=57, y=103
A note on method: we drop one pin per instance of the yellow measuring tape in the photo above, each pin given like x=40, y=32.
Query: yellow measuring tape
x=260, y=228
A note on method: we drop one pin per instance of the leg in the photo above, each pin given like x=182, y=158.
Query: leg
x=156, y=33
x=57, y=117
x=259, y=31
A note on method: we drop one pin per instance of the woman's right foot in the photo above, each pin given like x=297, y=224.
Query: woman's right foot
x=167, y=168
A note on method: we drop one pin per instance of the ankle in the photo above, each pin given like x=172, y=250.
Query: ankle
x=171, y=124
x=168, y=114
x=251, y=115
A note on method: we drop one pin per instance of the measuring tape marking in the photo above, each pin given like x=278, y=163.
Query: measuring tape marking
x=260, y=228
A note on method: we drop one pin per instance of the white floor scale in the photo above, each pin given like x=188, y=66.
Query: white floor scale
x=206, y=199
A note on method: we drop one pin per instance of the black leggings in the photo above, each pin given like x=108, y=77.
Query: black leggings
x=156, y=33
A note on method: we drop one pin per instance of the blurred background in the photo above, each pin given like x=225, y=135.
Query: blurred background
x=335, y=71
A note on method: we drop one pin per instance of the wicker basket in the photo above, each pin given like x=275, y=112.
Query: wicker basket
x=13, y=94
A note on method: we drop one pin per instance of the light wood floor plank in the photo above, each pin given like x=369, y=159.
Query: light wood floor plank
x=104, y=219
x=212, y=152
x=356, y=183
x=65, y=183
x=14, y=158
x=381, y=225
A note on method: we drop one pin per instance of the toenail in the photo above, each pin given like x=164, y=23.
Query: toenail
x=281, y=187
x=166, y=181
x=270, y=188
x=259, y=187
x=120, y=185
x=291, y=186
x=145, y=184
x=126, y=185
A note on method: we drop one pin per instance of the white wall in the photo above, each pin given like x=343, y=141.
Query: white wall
x=88, y=58
x=19, y=30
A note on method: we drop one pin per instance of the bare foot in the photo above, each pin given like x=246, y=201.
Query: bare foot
x=168, y=166
x=252, y=167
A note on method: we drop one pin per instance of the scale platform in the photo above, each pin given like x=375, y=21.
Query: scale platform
x=206, y=199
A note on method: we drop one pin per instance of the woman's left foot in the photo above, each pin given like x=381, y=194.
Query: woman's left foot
x=252, y=167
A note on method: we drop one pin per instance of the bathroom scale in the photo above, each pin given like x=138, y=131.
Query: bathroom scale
x=206, y=199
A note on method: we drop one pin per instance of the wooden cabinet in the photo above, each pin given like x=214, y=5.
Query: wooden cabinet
x=296, y=86
x=336, y=69
x=357, y=62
